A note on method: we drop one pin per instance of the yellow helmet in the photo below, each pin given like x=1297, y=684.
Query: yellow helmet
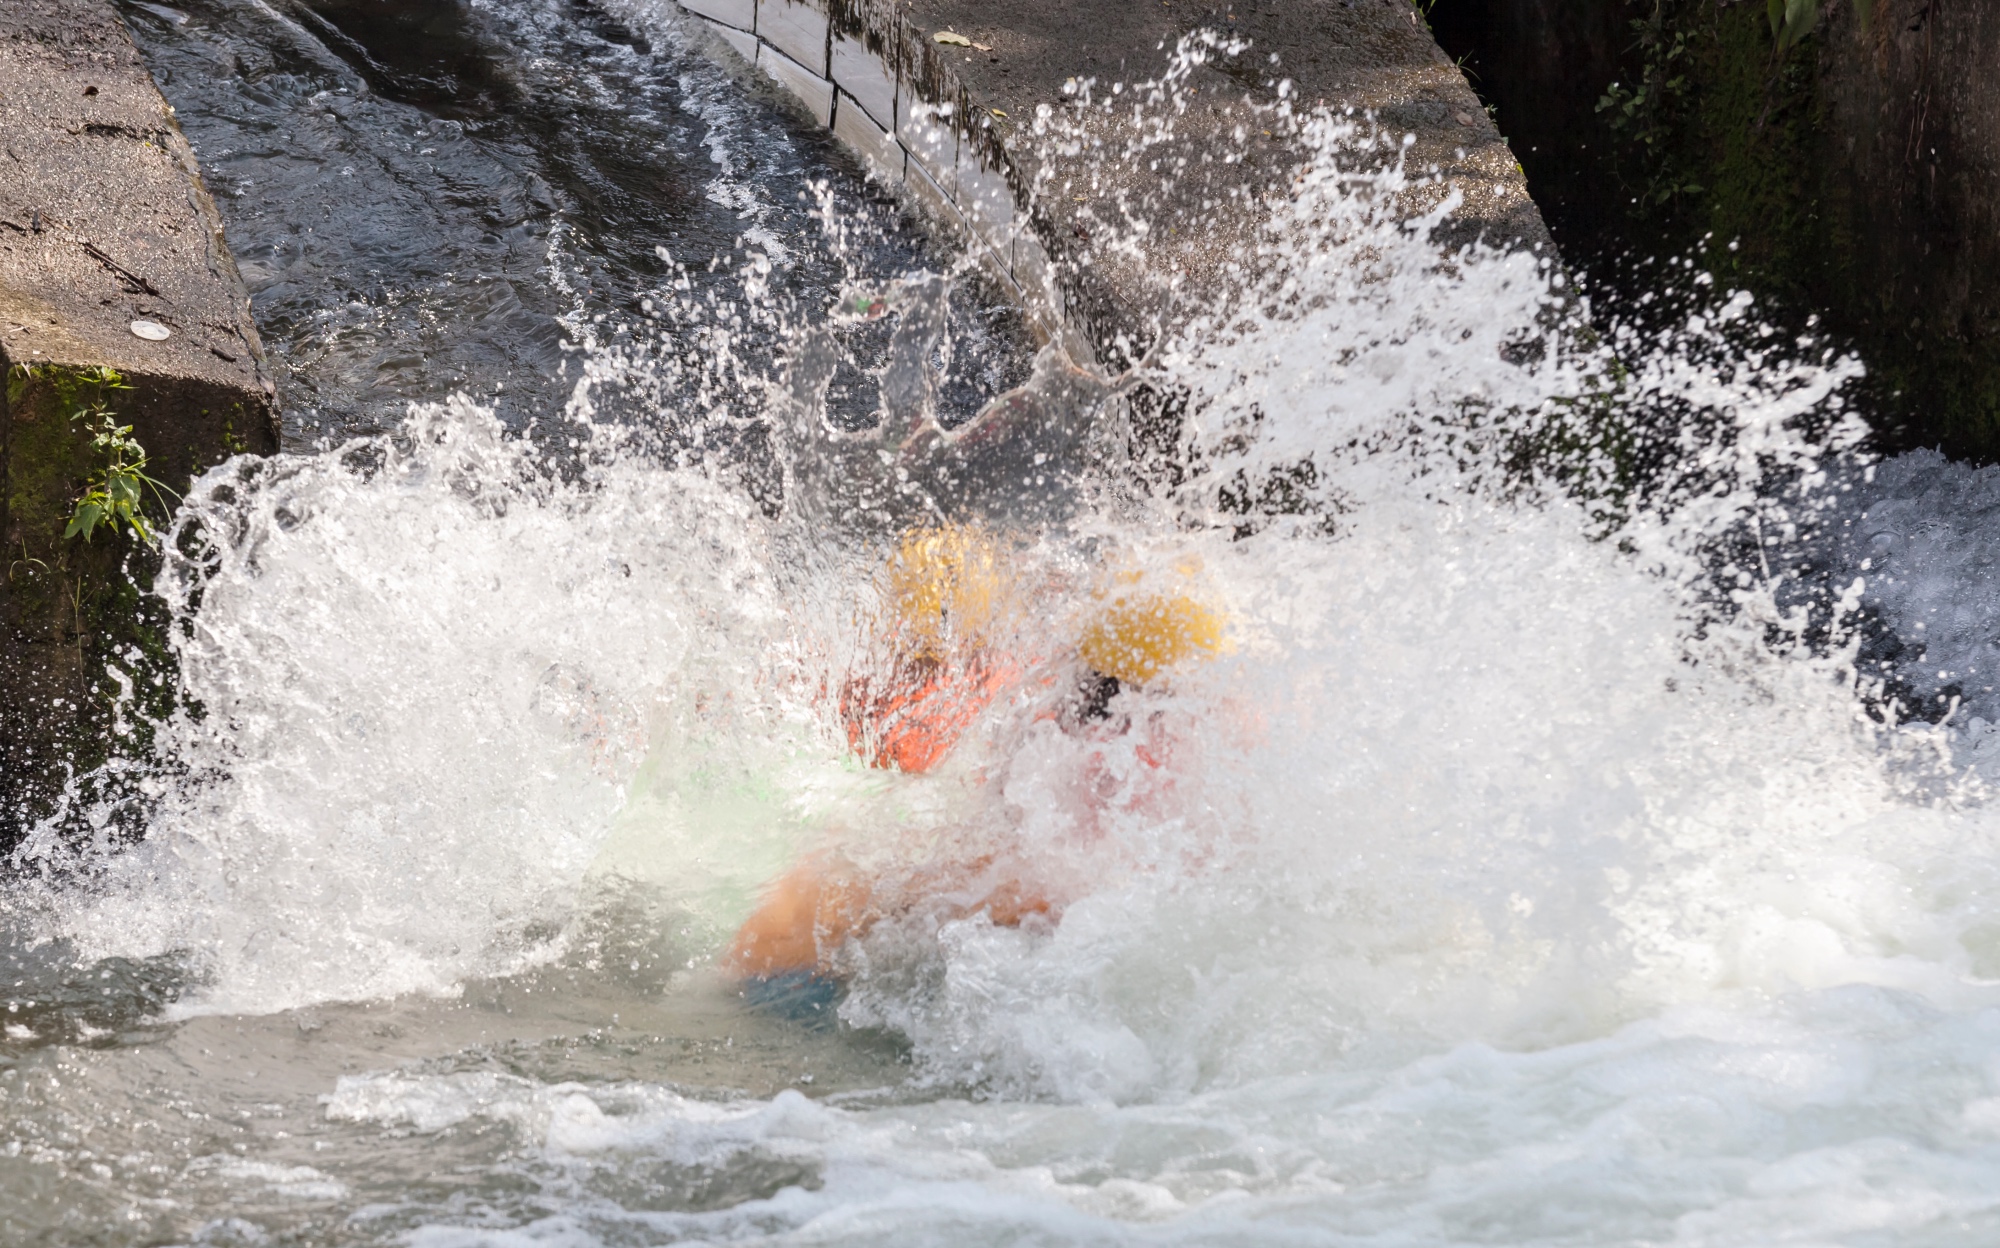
x=945, y=586
x=1136, y=636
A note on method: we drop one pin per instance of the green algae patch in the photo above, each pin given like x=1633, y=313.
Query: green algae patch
x=1769, y=154
x=85, y=653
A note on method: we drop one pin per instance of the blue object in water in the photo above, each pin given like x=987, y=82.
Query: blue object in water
x=795, y=996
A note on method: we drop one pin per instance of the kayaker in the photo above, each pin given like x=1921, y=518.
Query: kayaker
x=953, y=633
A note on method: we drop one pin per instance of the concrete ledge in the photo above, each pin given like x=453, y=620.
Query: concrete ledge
x=104, y=222
x=946, y=122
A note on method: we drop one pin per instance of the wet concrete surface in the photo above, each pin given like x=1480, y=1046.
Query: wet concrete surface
x=1374, y=56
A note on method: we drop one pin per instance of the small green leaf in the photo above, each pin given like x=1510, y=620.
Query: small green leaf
x=115, y=494
x=85, y=520
x=1800, y=18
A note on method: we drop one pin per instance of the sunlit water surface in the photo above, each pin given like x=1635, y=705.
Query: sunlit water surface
x=1554, y=857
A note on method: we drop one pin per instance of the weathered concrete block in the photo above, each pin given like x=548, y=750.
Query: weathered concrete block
x=742, y=14
x=929, y=194
x=104, y=226
x=1030, y=266
x=743, y=41
x=798, y=30
x=986, y=199
x=815, y=92
x=995, y=263
x=878, y=150
x=932, y=141
x=867, y=77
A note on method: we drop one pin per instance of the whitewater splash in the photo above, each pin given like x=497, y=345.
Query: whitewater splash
x=1538, y=865
x=437, y=676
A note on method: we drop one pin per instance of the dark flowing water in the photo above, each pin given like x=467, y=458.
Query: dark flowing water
x=433, y=196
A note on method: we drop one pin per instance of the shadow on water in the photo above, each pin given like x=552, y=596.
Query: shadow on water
x=429, y=53
x=48, y=997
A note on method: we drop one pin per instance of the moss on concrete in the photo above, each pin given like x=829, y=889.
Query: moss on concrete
x=1713, y=135
x=1751, y=130
x=1749, y=148
x=87, y=648
x=1858, y=172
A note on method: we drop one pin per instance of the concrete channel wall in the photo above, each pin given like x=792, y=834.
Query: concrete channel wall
x=111, y=258
x=948, y=121
x=1855, y=175
x=864, y=72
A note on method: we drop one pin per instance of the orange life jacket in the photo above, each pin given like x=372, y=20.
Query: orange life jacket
x=914, y=722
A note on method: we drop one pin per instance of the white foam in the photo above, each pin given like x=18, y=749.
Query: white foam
x=1683, y=1128
x=1919, y=532
x=296, y=1182
x=426, y=685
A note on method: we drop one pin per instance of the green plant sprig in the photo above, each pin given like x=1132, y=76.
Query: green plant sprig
x=1793, y=20
x=1649, y=112
x=114, y=495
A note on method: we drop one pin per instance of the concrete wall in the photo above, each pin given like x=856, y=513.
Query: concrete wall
x=1909, y=136
x=947, y=122
x=104, y=226
x=1858, y=174
x=868, y=77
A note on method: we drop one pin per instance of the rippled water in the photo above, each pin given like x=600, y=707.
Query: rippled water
x=1568, y=845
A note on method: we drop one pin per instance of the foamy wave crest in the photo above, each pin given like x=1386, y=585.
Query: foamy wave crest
x=1475, y=786
x=424, y=670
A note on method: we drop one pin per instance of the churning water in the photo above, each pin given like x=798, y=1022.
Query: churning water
x=1582, y=838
